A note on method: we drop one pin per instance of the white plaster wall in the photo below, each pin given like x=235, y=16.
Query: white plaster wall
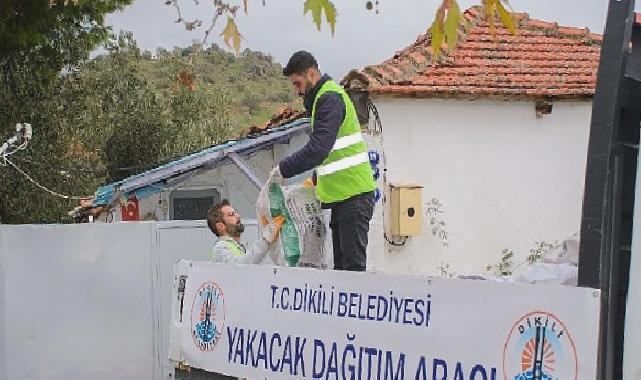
x=376, y=243
x=505, y=178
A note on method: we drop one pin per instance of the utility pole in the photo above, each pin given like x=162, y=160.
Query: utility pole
x=606, y=225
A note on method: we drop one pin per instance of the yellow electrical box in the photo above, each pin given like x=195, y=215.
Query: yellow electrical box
x=406, y=212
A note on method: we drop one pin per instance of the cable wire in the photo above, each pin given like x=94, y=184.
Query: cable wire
x=378, y=128
x=393, y=243
x=55, y=193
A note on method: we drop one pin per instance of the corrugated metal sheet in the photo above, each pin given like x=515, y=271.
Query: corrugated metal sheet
x=153, y=181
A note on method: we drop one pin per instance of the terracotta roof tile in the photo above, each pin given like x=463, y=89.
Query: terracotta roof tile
x=393, y=69
x=281, y=117
x=542, y=60
x=474, y=11
x=541, y=24
x=571, y=31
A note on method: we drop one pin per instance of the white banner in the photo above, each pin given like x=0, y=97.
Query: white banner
x=285, y=323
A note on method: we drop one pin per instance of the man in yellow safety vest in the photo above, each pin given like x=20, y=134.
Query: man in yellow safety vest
x=226, y=224
x=338, y=154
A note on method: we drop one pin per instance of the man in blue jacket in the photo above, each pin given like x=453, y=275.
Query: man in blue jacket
x=337, y=152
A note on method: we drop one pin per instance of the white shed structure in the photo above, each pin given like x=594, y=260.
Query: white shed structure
x=185, y=189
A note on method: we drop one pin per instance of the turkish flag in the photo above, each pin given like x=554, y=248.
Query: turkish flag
x=130, y=210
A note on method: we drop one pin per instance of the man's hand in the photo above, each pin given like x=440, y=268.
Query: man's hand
x=308, y=182
x=275, y=176
x=271, y=231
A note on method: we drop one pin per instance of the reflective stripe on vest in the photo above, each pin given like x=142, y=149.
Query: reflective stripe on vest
x=231, y=245
x=342, y=164
x=346, y=171
x=346, y=141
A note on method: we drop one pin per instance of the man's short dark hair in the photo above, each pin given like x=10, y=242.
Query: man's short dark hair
x=215, y=215
x=299, y=63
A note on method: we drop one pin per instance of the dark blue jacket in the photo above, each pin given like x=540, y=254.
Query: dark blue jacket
x=330, y=112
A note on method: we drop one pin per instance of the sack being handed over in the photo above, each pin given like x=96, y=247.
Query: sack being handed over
x=304, y=239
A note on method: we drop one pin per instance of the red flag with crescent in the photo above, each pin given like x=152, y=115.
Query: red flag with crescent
x=130, y=210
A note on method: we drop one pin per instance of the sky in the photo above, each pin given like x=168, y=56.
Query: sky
x=361, y=37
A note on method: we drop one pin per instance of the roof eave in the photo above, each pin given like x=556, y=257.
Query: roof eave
x=410, y=94
x=209, y=157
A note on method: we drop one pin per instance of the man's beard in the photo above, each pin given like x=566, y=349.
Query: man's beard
x=235, y=230
x=308, y=89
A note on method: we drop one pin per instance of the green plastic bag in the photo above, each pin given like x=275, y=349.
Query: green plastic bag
x=304, y=239
x=288, y=234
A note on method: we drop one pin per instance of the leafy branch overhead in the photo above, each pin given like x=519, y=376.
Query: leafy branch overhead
x=317, y=7
x=231, y=36
x=444, y=28
x=448, y=19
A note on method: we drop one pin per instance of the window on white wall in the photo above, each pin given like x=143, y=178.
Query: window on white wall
x=191, y=204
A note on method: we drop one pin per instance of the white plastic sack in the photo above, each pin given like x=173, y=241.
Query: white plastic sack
x=547, y=273
x=305, y=240
x=558, y=266
x=567, y=252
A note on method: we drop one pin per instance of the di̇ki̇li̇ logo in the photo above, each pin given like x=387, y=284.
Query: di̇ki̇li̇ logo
x=208, y=316
x=540, y=347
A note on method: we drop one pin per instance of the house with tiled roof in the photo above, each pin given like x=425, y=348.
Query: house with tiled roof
x=496, y=130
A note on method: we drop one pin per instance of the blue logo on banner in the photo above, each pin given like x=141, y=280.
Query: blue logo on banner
x=539, y=347
x=208, y=316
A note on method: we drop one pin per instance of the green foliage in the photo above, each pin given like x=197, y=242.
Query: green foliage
x=231, y=36
x=449, y=18
x=493, y=8
x=57, y=34
x=230, y=8
x=434, y=216
x=506, y=17
x=437, y=33
x=317, y=7
x=38, y=39
x=451, y=25
x=504, y=266
x=444, y=28
x=539, y=250
x=125, y=112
